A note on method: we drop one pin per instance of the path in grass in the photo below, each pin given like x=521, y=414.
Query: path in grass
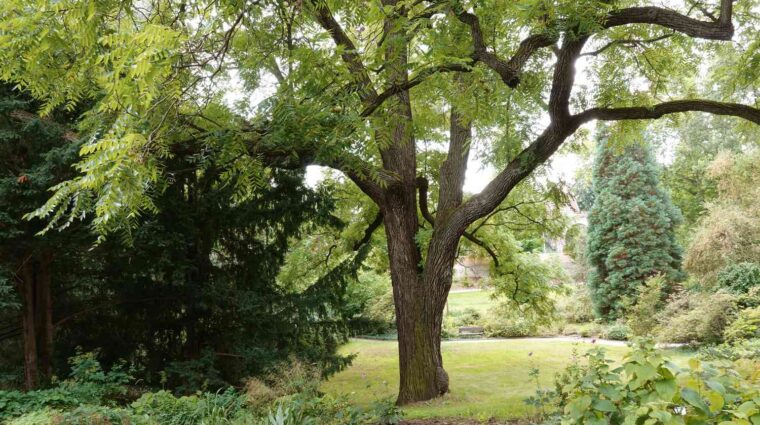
x=488, y=379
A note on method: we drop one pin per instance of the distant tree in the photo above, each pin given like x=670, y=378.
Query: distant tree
x=632, y=226
x=702, y=138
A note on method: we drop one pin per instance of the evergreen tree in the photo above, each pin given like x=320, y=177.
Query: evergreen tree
x=193, y=302
x=631, y=226
x=34, y=155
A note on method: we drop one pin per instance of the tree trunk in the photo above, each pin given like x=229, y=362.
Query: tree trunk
x=34, y=285
x=44, y=316
x=26, y=288
x=419, y=311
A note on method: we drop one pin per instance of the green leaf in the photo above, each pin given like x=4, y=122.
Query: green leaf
x=693, y=398
x=666, y=389
x=716, y=401
x=604, y=406
x=695, y=364
x=578, y=407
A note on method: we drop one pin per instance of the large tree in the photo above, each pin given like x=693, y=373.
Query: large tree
x=631, y=229
x=369, y=88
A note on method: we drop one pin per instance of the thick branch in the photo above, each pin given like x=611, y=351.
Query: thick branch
x=722, y=29
x=422, y=185
x=653, y=112
x=509, y=71
x=454, y=168
x=564, y=78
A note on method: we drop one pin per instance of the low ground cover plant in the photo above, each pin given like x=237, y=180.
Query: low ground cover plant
x=93, y=396
x=647, y=388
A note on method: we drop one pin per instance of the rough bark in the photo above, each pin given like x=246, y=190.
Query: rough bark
x=34, y=284
x=44, y=316
x=26, y=288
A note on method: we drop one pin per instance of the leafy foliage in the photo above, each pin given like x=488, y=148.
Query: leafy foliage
x=697, y=317
x=88, y=383
x=647, y=387
x=643, y=313
x=729, y=231
x=740, y=277
x=746, y=326
x=91, y=395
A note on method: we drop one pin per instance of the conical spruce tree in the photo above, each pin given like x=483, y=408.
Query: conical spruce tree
x=631, y=232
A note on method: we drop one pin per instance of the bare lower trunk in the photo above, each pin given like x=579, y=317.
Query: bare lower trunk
x=26, y=287
x=422, y=376
x=44, y=317
x=419, y=310
x=34, y=284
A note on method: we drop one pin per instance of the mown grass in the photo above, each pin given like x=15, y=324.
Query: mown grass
x=488, y=378
x=480, y=301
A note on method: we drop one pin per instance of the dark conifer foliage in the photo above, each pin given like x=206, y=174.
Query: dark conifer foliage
x=631, y=225
x=190, y=299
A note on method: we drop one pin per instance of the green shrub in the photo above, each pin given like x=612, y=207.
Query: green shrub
x=739, y=277
x=326, y=410
x=750, y=299
x=649, y=389
x=642, y=312
x=100, y=415
x=617, y=332
x=449, y=328
x=697, y=317
x=37, y=417
x=164, y=408
x=88, y=383
x=500, y=324
x=466, y=317
x=590, y=329
x=746, y=326
x=744, y=349
x=576, y=306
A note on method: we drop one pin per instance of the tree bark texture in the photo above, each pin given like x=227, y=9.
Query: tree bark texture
x=34, y=285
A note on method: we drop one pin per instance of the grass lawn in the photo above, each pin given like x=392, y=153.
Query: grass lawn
x=488, y=378
x=478, y=300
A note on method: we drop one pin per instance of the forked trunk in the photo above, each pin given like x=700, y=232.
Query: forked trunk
x=419, y=308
